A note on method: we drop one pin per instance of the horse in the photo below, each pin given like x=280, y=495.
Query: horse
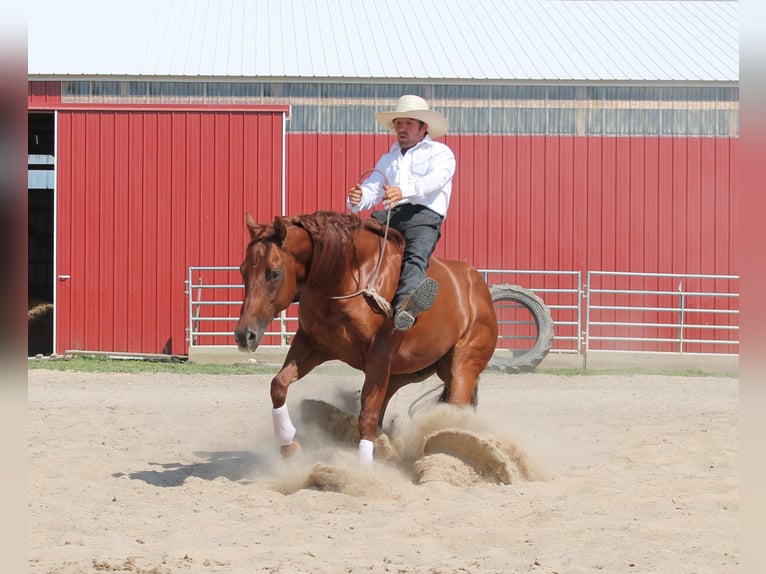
x=343, y=270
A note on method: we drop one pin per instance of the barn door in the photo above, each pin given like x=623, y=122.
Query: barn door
x=141, y=195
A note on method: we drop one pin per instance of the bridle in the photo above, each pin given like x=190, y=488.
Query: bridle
x=371, y=291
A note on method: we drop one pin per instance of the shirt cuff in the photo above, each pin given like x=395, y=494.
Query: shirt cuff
x=408, y=190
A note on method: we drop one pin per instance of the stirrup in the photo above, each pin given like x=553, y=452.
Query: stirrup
x=403, y=320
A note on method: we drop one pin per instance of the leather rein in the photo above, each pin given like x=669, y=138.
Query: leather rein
x=371, y=291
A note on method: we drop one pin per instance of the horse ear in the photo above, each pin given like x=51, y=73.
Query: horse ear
x=252, y=226
x=280, y=229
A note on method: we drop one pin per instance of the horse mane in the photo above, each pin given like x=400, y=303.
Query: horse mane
x=332, y=234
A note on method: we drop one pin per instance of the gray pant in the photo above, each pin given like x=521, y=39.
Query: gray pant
x=421, y=228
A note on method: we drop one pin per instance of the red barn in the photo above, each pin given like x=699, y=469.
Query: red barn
x=611, y=151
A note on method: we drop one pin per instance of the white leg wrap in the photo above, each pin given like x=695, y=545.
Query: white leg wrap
x=283, y=426
x=365, y=451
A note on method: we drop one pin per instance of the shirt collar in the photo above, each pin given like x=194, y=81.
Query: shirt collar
x=426, y=139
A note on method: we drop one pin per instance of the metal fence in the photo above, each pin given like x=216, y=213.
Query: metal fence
x=662, y=313
x=562, y=292
x=612, y=311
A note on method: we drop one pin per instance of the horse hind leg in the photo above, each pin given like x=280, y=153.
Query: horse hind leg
x=460, y=372
x=445, y=396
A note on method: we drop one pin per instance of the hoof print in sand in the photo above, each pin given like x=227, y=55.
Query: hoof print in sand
x=460, y=457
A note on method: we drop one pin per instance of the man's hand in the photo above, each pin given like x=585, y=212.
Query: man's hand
x=355, y=195
x=393, y=196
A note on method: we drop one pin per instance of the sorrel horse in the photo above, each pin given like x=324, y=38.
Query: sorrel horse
x=328, y=260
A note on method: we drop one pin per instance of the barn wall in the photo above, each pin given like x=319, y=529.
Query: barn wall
x=141, y=196
x=144, y=191
x=648, y=204
x=570, y=203
x=43, y=93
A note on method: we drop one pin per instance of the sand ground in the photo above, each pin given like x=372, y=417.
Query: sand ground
x=158, y=473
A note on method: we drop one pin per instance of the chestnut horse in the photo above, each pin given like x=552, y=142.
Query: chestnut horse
x=339, y=266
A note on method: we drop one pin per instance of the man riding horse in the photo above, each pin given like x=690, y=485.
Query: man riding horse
x=414, y=181
x=325, y=256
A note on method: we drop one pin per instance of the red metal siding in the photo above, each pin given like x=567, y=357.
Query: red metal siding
x=322, y=167
x=622, y=204
x=43, y=93
x=145, y=193
x=557, y=202
x=141, y=196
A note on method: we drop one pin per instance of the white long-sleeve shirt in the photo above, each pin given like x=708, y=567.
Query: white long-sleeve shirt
x=423, y=173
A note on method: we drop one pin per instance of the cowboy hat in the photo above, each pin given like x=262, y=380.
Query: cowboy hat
x=415, y=107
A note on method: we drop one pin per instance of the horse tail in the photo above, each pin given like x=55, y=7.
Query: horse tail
x=428, y=399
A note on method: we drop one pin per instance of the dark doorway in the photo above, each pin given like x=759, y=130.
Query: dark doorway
x=40, y=166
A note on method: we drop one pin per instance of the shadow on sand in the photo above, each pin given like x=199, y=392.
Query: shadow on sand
x=234, y=465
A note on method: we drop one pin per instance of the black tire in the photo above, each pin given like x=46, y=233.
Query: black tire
x=526, y=361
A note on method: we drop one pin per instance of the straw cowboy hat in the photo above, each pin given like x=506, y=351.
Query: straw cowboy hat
x=415, y=107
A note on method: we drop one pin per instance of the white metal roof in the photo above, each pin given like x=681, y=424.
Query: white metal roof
x=437, y=40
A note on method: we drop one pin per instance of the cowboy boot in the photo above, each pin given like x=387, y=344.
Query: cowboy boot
x=415, y=303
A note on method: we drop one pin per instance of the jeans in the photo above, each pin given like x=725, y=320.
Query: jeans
x=421, y=228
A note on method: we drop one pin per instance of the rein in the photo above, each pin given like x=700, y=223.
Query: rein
x=371, y=291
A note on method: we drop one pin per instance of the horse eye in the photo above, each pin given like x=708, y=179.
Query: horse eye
x=273, y=275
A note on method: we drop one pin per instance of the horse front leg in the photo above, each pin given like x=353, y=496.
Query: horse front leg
x=374, y=393
x=301, y=359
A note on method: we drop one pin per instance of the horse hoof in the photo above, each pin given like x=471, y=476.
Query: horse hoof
x=290, y=450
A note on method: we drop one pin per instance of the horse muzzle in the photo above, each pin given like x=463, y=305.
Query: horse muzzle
x=248, y=338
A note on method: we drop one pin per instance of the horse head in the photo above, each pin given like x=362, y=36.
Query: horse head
x=268, y=272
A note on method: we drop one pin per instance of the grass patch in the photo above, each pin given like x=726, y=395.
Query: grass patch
x=181, y=367
x=571, y=372
x=105, y=364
